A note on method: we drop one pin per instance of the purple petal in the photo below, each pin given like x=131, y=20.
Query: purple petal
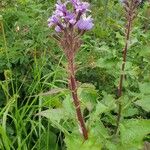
x=57, y=29
x=80, y=6
x=85, y=23
x=53, y=20
x=71, y=18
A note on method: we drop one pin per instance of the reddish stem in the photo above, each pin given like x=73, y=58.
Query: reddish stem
x=120, y=87
x=73, y=88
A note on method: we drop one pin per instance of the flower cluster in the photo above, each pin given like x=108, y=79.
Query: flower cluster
x=72, y=13
x=130, y=7
x=135, y=1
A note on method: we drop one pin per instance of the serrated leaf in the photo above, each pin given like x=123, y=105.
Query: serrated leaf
x=88, y=95
x=76, y=142
x=101, y=108
x=145, y=52
x=53, y=114
x=144, y=103
x=105, y=105
x=130, y=111
x=108, y=100
x=99, y=131
x=68, y=106
x=133, y=41
x=133, y=131
x=145, y=88
x=106, y=63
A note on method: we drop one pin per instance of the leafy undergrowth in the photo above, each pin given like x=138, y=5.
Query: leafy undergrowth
x=36, y=107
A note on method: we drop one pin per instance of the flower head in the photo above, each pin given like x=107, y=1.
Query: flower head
x=80, y=6
x=64, y=18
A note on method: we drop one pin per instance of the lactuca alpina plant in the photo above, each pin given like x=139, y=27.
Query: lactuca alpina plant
x=130, y=7
x=70, y=21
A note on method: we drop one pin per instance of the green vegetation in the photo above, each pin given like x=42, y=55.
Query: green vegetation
x=36, y=107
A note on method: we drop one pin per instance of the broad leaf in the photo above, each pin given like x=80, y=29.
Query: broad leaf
x=53, y=114
x=88, y=95
x=145, y=88
x=77, y=142
x=144, y=103
x=132, y=133
x=106, y=104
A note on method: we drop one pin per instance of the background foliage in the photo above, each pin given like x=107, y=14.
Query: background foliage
x=36, y=110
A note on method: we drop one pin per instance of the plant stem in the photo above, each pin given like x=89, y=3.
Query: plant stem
x=120, y=87
x=73, y=88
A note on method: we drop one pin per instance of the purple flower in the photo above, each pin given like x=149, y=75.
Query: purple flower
x=64, y=18
x=85, y=23
x=75, y=2
x=58, y=29
x=61, y=9
x=80, y=6
x=70, y=17
x=53, y=20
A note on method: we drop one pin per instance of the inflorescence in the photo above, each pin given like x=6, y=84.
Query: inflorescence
x=71, y=14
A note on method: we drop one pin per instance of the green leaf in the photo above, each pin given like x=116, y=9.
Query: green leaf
x=133, y=131
x=120, y=38
x=68, y=106
x=105, y=105
x=45, y=137
x=53, y=114
x=109, y=101
x=130, y=111
x=106, y=63
x=144, y=103
x=88, y=95
x=110, y=145
x=145, y=52
x=145, y=88
x=98, y=130
x=101, y=108
x=77, y=142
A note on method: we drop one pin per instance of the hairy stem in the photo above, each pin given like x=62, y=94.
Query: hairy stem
x=125, y=49
x=73, y=88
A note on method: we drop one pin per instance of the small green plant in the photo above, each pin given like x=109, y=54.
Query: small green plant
x=39, y=83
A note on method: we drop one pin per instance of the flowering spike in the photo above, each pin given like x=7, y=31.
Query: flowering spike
x=70, y=24
x=130, y=12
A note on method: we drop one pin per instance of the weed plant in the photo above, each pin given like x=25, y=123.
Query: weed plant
x=36, y=106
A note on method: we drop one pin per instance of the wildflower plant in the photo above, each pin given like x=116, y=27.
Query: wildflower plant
x=70, y=21
x=130, y=7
